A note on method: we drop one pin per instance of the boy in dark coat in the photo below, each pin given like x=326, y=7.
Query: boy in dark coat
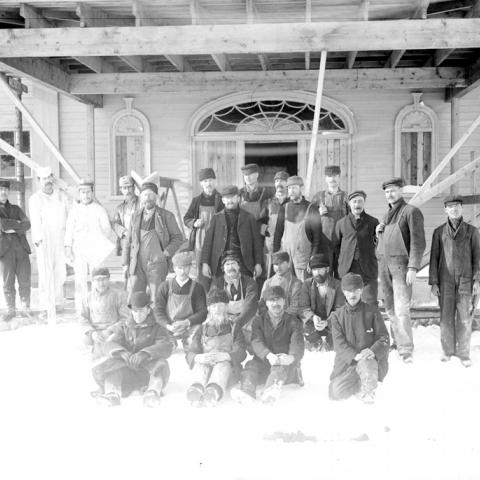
x=278, y=346
x=137, y=353
x=215, y=354
x=361, y=344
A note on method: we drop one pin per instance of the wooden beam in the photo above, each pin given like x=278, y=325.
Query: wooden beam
x=454, y=134
x=394, y=58
x=437, y=8
x=134, y=61
x=11, y=18
x=362, y=15
x=473, y=80
x=98, y=18
x=308, y=19
x=251, y=15
x=441, y=55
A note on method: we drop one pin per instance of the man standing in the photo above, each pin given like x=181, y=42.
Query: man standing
x=14, y=253
x=86, y=239
x=153, y=238
x=48, y=210
x=124, y=212
x=290, y=235
x=199, y=215
x=233, y=229
x=401, y=243
x=355, y=241
x=455, y=278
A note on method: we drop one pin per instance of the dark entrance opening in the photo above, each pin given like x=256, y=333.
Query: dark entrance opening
x=271, y=158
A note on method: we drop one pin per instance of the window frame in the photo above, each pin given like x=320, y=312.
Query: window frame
x=29, y=153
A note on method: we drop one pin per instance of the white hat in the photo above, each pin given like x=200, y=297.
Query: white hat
x=44, y=172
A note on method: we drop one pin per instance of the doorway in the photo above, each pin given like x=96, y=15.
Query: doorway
x=271, y=158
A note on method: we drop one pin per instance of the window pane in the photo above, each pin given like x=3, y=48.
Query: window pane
x=129, y=125
x=427, y=155
x=129, y=155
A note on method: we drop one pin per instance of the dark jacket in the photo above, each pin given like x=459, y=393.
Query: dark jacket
x=348, y=235
x=12, y=217
x=287, y=337
x=249, y=294
x=280, y=227
x=262, y=196
x=357, y=328
x=237, y=353
x=193, y=213
x=310, y=298
x=118, y=222
x=455, y=254
x=148, y=336
x=167, y=229
x=216, y=240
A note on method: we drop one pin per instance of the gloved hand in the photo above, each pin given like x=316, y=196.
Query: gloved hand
x=272, y=359
x=137, y=359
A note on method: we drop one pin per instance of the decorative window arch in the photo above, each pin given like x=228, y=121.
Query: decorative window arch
x=130, y=144
x=416, y=142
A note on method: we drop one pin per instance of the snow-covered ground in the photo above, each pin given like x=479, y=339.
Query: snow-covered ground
x=424, y=424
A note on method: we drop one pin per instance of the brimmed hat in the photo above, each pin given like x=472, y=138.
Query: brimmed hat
x=282, y=175
x=331, y=170
x=295, y=180
x=250, y=168
x=351, y=282
x=85, y=182
x=230, y=190
x=206, y=173
x=4, y=183
x=44, y=172
x=182, y=259
x=217, y=295
x=229, y=256
x=453, y=199
x=101, y=272
x=149, y=186
x=320, y=260
x=273, y=292
x=357, y=193
x=396, y=181
x=125, y=181
x=280, y=257
x=139, y=300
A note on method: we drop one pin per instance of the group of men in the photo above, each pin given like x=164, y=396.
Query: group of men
x=275, y=273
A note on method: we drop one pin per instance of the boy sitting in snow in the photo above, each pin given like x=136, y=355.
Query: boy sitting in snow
x=361, y=344
x=137, y=353
x=278, y=346
x=216, y=352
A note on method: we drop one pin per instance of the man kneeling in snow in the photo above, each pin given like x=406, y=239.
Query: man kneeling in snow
x=278, y=346
x=216, y=353
x=361, y=344
x=137, y=351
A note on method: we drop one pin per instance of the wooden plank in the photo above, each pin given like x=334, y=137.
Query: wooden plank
x=454, y=134
x=255, y=38
x=362, y=15
x=90, y=154
x=441, y=55
x=134, y=61
x=394, y=58
x=98, y=18
x=308, y=19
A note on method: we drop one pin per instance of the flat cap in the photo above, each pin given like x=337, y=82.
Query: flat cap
x=351, y=282
x=125, y=181
x=249, y=168
x=271, y=293
x=295, y=180
x=85, y=182
x=280, y=257
x=453, y=199
x=396, y=181
x=217, y=295
x=230, y=256
x=149, y=186
x=282, y=175
x=319, y=260
x=331, y=170
x=230, y=190
x=100, y=272
x=139, y=300
x=357, y=193
x=4, y=183
x=206, y=173
x=44, y=172
x=182, y=258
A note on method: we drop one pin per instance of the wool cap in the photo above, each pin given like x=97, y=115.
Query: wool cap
x=271, y=293
x=357, y=193
x=453, y=199
x=396, y=181
x=230, y=256
x=101, y=272
x=4, y=183
x=250, y=168
x=282, y=175
x=206, y=173
x=351, y=282
x=139, y=300
x=331, y=170
x=230, y=190
x=149, y=186
x=44, y=172
x=295, y=180
x=85, y=182
x=320, y=260
x=182, y=258
x=217, y=295
x=280, y=257
x=125, y=181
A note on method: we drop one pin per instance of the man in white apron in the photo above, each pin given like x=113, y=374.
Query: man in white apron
x=401, y=243
x=87, y=242
x=48, y=209
x=198, y=217
x=290, y=234
x=181, y=302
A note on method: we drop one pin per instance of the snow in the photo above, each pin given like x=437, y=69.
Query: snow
x=424, y=424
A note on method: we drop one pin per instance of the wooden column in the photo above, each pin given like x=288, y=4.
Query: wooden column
x=91, y=141
x=18, y=144
x=454, y=136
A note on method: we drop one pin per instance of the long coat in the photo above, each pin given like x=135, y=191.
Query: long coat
x=354, y=329
x=12, y=217
x=167, y=229
x=350, y=234
x=216, y=241
x=119, y=224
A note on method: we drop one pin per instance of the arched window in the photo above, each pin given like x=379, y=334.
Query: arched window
x=130, y=132
x=416, y=142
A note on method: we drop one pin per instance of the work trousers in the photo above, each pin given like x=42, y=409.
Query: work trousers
x=218, y=374
x=397, y=298
x=455, y=318
x=16, y=264
x=362, y=377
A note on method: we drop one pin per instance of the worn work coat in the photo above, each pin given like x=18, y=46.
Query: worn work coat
x=354, y=329
x=122, y=218
x=12, y=217
x=166, y=228
x=292, y=287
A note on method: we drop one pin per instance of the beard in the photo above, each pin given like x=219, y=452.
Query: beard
x=320, y=278
x=218, y=319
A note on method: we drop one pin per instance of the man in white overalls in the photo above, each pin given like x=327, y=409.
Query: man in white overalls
x=290, y=234
x=181, y=302
x=400, y=247
x=48, y=209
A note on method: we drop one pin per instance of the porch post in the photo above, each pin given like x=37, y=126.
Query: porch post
x=454, y=135
x=18, y=143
